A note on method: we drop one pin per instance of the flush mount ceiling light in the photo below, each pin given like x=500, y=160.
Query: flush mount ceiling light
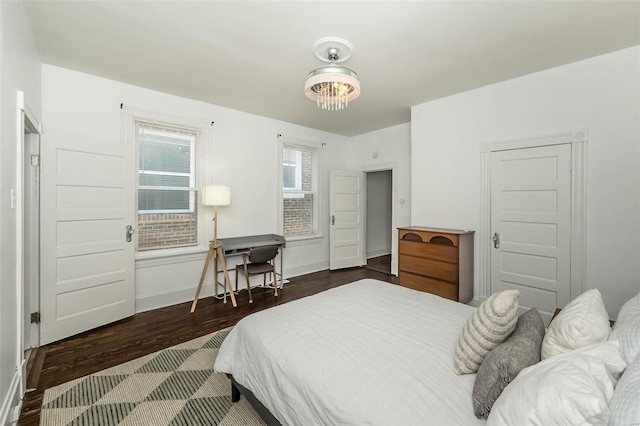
x=332, y=86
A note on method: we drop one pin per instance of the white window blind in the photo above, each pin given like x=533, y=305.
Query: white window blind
x=166, y=175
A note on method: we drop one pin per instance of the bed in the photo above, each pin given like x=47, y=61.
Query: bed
x=374, y=353
x=368, y=352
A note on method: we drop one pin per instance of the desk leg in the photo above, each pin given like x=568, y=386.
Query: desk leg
x=226, y=277
x=204, y=273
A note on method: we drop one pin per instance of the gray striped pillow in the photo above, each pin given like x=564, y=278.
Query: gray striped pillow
x=489, y=325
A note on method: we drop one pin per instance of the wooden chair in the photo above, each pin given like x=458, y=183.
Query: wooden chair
x=259, y=260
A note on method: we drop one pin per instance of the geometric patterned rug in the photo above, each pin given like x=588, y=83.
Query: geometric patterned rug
x=172, y=387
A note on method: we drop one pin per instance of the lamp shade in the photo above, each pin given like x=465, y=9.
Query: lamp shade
x=216, y=195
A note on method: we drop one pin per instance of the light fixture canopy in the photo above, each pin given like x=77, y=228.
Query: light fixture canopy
x=332, y=86
x=216, y=195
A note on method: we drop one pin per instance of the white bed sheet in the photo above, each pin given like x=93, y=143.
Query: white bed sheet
x=366, y=353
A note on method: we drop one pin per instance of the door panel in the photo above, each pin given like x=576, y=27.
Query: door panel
x=531, y=214
x=543, y=300
x=347, y=212
x=87, y=265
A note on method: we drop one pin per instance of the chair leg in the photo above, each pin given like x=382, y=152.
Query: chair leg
x=246, y=274
x=236, y=279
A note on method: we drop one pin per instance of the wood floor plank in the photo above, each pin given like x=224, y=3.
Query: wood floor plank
x=148, y=332
x=380, y=264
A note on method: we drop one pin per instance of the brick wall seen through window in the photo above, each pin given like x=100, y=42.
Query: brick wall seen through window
x=298, y=204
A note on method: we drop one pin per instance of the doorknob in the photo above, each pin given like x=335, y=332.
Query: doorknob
x=496, y=240
x=129, y=232
x=333, y=219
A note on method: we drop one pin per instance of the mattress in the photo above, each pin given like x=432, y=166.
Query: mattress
x=366, y=353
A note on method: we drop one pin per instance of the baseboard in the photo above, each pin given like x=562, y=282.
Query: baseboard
x=10, y=410
x=158, y=300
x=378, y=253
x=161, y=299
x=306, y=269
x=476, y=302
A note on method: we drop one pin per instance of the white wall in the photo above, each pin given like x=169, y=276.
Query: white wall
x=379, y=203
x=242, y=154
x=601, y=95
x=388, y=149
x=19, y=71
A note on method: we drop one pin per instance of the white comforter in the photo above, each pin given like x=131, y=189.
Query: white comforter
x=366, y=353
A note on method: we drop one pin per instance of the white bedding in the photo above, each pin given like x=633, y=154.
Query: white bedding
x=366, y=353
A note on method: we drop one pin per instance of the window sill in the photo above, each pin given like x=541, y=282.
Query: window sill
x=303, y=241
x=292, y=195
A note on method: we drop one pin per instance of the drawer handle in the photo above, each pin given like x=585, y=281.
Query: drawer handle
x=444, y=241
x=410, y=236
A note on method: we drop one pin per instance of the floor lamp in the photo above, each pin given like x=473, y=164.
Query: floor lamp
x=215, y=195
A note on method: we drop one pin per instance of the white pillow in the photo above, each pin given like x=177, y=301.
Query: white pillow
x=627, y=329
x=630, y=309
x=572, y=388
x=488, y=326
x=625, y=404
x=583, y=322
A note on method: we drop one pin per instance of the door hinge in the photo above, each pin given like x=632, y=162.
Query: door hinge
x=35, y=160
x=35, y=318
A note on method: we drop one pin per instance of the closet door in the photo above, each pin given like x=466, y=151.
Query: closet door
x=531, y=224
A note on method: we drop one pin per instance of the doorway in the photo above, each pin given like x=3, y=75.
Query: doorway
x=379, y=211
x=30, y=236
x=25, y=198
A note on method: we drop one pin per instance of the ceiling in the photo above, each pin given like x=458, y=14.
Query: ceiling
x=255, y=56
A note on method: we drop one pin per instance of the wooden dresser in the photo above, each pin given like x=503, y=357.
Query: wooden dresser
x=438, y=261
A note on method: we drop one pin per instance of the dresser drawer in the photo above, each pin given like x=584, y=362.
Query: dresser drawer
x=432, y=251
x=441, y=238
x=420, y=283
x=429, y=267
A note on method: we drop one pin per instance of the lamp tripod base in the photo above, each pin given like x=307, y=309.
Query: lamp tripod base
x=215, y=253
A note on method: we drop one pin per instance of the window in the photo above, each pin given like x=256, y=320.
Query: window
x=167, y=197
x=299, y=191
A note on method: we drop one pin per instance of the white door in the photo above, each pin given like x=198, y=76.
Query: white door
x=87, y=199
x=531, y=225
x=347, y=207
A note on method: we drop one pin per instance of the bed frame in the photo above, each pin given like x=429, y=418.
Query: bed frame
x=237, y=389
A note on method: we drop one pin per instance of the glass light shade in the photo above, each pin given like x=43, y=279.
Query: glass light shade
x=332, y=87
x=216, y=195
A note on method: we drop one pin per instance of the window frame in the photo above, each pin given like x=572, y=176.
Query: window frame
x=128, y=117
x=316, y=188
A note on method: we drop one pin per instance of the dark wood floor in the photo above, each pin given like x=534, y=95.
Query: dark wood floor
x=380, y=264
x=151, y=331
